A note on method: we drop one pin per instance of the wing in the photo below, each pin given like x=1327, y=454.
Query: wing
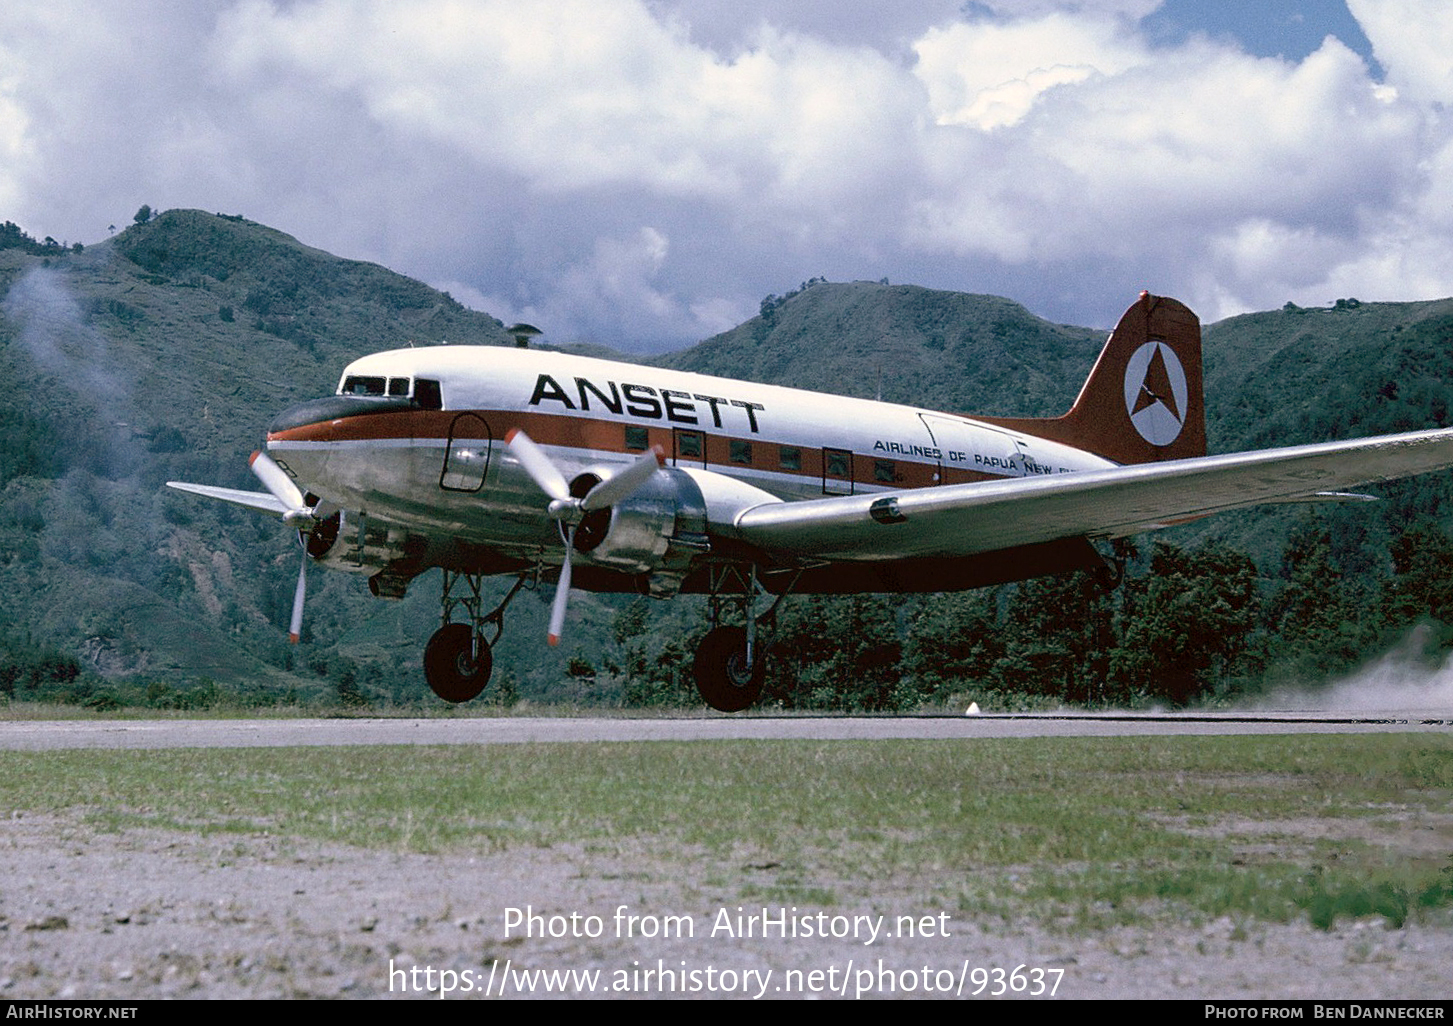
x=262, y=501
x=962, y=520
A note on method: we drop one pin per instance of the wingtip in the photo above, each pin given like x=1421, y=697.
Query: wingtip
x=553, y=639
x=510, y=435
x=294, y=638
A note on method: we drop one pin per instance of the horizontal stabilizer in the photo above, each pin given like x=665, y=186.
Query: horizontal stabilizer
x=263, y=502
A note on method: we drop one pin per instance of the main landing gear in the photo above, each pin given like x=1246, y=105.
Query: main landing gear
x=458, y=659
x=731, y=665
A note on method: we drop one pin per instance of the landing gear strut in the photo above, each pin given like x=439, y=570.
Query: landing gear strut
x=730, y=664
x=458, y=659
x=1111, y=571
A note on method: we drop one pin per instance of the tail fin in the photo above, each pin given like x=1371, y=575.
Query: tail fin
x=1142, y=401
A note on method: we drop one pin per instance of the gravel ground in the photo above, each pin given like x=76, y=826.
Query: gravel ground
x=150, y=914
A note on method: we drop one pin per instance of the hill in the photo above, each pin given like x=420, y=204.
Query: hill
x=944, y=350
x=163, y=352
x=159, y=354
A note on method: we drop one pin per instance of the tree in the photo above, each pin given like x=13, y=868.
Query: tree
x=1314, y=616
x=1188, y=623
x=954, y=641
x=1422, y=583
x=143, y=215
x=833, y=652
x=1059, y=632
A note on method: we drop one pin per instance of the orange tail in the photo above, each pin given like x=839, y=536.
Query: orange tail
x=1142, y=401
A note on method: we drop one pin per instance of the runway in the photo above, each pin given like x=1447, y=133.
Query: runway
x=42, y=735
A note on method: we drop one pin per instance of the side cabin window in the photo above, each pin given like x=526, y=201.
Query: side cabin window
x=689, y=445
x=837, y=472
x=789, y=457
x=637, y=438
x=741, y=452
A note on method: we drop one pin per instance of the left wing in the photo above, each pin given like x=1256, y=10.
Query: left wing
x=965, y=519
x=264, y=502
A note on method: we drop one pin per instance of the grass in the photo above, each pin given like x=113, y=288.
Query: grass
x=1082, y=831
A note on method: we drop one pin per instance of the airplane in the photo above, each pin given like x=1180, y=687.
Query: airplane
x=614, y=477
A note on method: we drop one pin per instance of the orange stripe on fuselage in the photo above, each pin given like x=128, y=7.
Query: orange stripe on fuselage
x=610, y=436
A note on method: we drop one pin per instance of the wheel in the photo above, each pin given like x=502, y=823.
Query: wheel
x=723, y=678
x=453, y=671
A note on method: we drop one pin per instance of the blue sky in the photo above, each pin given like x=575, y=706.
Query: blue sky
x=641, y=173
x=1267, y=28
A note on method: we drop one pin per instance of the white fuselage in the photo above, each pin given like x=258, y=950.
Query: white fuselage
x=434, y=457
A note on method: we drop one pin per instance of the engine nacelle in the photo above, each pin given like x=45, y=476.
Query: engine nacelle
x=349, y=541
x=657, y=531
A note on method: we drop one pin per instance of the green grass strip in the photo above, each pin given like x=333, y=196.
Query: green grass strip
x=1083, y=830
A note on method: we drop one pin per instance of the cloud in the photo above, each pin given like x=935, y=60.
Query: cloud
x=630, y=171
x=1412, y=40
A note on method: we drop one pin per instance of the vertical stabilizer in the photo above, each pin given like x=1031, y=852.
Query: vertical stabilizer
x=1142, y=401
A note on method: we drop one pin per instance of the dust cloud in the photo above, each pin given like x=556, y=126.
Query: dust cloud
x=1404, y=678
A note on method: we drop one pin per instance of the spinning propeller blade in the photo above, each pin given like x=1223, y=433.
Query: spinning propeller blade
x=624, y=483
x=616, y=488
x=295, y=626
x=562, y=594
x=276, y=481
x=297, y=512
x=539, y=466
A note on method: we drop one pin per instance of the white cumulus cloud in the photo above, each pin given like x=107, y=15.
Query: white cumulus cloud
x=643, y=171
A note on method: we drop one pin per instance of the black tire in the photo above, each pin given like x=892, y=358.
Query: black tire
x=723, y=678
x=453, y=672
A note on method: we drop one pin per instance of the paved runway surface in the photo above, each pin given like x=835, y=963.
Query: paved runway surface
x=263, y=733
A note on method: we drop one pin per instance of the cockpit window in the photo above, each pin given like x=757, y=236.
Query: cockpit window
x=427, y=395
x=424, y=392
x=359, y=385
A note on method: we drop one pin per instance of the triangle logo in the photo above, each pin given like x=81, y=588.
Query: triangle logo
x=1155, y=393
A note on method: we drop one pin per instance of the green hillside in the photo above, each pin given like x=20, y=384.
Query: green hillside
x=162, y=354
x=1304, y=375
x=944, y=350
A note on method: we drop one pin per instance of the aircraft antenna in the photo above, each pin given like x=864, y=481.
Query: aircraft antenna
x=522, y=334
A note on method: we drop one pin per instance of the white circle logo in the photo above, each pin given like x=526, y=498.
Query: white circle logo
x=1156, y=396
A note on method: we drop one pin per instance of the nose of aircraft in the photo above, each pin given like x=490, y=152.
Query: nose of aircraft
x=332, y=408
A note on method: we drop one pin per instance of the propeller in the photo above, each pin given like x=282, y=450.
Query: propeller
x=295, y=625
x=569, y=509
x=296, y=512
x=276, y=481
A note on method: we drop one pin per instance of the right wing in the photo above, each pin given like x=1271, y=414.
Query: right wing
x=967, y=519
